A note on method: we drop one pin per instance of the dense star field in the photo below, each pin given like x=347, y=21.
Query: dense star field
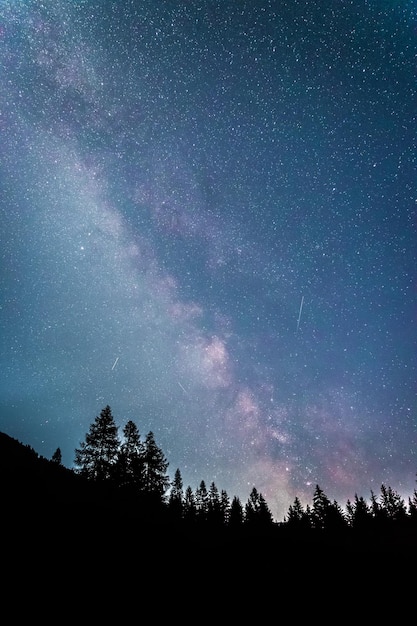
x=208, y=214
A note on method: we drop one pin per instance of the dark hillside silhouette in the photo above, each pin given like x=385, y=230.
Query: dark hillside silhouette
x=54, y=516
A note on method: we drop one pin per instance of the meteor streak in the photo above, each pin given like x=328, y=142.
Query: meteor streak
x=299, y=313
x=184, y=390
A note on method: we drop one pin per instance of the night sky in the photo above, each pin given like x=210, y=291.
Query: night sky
x=208, y=222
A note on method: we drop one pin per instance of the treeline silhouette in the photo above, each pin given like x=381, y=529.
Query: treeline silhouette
x=126, y=479
x=115, y=528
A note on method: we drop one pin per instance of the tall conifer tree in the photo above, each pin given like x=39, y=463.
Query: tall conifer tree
x=97, y=455
x=155, y=467
x=176, y=496
x=130, y=462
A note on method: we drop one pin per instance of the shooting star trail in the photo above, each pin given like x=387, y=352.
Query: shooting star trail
x=300, y=311
x=184, y=390
x=115, y=363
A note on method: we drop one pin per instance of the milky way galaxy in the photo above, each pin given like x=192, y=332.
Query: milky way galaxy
x=208, y=222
